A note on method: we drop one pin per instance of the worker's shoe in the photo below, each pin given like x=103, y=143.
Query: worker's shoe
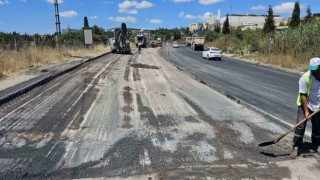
x=294, y=153
x=314, y=150
x=315, y=153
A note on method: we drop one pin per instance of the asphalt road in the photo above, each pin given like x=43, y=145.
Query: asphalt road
x=270, y=90
x=133, y=115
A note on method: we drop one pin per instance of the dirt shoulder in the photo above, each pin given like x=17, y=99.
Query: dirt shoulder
x=34, y=72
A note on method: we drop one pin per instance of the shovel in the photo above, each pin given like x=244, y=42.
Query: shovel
x=282, y=136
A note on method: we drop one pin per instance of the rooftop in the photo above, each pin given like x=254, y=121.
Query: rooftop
x=254, y=15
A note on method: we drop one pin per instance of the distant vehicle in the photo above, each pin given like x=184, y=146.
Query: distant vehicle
x=142, y=38
x=188, y=41
x=156, y=43
x=168, y=44
x=175, y=44
x=159, y=42
x=212, y=53
x=197, y=43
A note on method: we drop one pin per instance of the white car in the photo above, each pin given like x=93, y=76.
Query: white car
x=175, y=44
x=212, y=53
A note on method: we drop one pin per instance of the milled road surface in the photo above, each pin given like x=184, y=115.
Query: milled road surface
x=270, y=90
x=134, y=115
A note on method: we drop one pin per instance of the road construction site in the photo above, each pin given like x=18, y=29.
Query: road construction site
x=138, y=116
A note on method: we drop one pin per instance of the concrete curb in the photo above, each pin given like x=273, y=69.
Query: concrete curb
x=235, y=99
x=45, y=80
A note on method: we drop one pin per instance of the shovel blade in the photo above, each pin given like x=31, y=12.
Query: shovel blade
x=266, y=143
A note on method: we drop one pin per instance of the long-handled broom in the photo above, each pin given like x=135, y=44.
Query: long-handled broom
x=282, y=136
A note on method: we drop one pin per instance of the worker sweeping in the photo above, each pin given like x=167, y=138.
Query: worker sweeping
x=308, y=102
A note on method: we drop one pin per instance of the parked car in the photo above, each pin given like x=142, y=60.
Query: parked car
x=175, y=44
x=212, y=53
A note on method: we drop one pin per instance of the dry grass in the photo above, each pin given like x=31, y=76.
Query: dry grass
x=288, y=62
x=284, y=61
x=12, y=62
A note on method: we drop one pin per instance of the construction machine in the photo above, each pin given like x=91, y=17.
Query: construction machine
x=120, y=43
x=142, y=39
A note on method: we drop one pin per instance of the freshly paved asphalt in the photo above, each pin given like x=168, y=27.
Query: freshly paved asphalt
x=270, y=90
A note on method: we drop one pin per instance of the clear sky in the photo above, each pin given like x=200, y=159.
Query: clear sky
x=37, y=16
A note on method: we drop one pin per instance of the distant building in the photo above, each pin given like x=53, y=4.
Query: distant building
x=130, y=29
x=316, y=16
x=69, y=30
x=194, y=27
x=281, y=28
x=211, y=19
x=249, y=21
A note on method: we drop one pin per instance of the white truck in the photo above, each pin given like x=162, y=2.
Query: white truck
x=188, y=41
x=197, y=43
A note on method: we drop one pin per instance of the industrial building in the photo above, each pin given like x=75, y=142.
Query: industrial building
x=249, y=21
x=245, y=21
x=212, y=22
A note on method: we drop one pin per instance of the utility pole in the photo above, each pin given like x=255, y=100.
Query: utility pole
x=58, y=29
x=56, y=6
x=15, y=44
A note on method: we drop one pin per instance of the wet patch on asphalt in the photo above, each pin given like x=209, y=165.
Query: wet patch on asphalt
x=196, y=137
x=127, y=109
x=127, y=97
x=127, y=71
x=136, y=74
x=145, y=66
x=163, y=137
x=191, y=119
x=153, y=120
x=127, y=120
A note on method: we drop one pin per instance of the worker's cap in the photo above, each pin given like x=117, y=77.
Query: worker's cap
x=314, y=63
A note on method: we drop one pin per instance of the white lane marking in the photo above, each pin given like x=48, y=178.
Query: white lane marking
x=55, y=144
x=74, y=153
x=105, y=111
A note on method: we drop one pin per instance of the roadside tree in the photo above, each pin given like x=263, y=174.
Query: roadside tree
x=308, y=17
x=269, y=25
x=85, y=23
x=295, y=19
x=226, y=26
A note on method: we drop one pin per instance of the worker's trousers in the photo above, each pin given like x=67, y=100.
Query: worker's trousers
x=299, y=131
